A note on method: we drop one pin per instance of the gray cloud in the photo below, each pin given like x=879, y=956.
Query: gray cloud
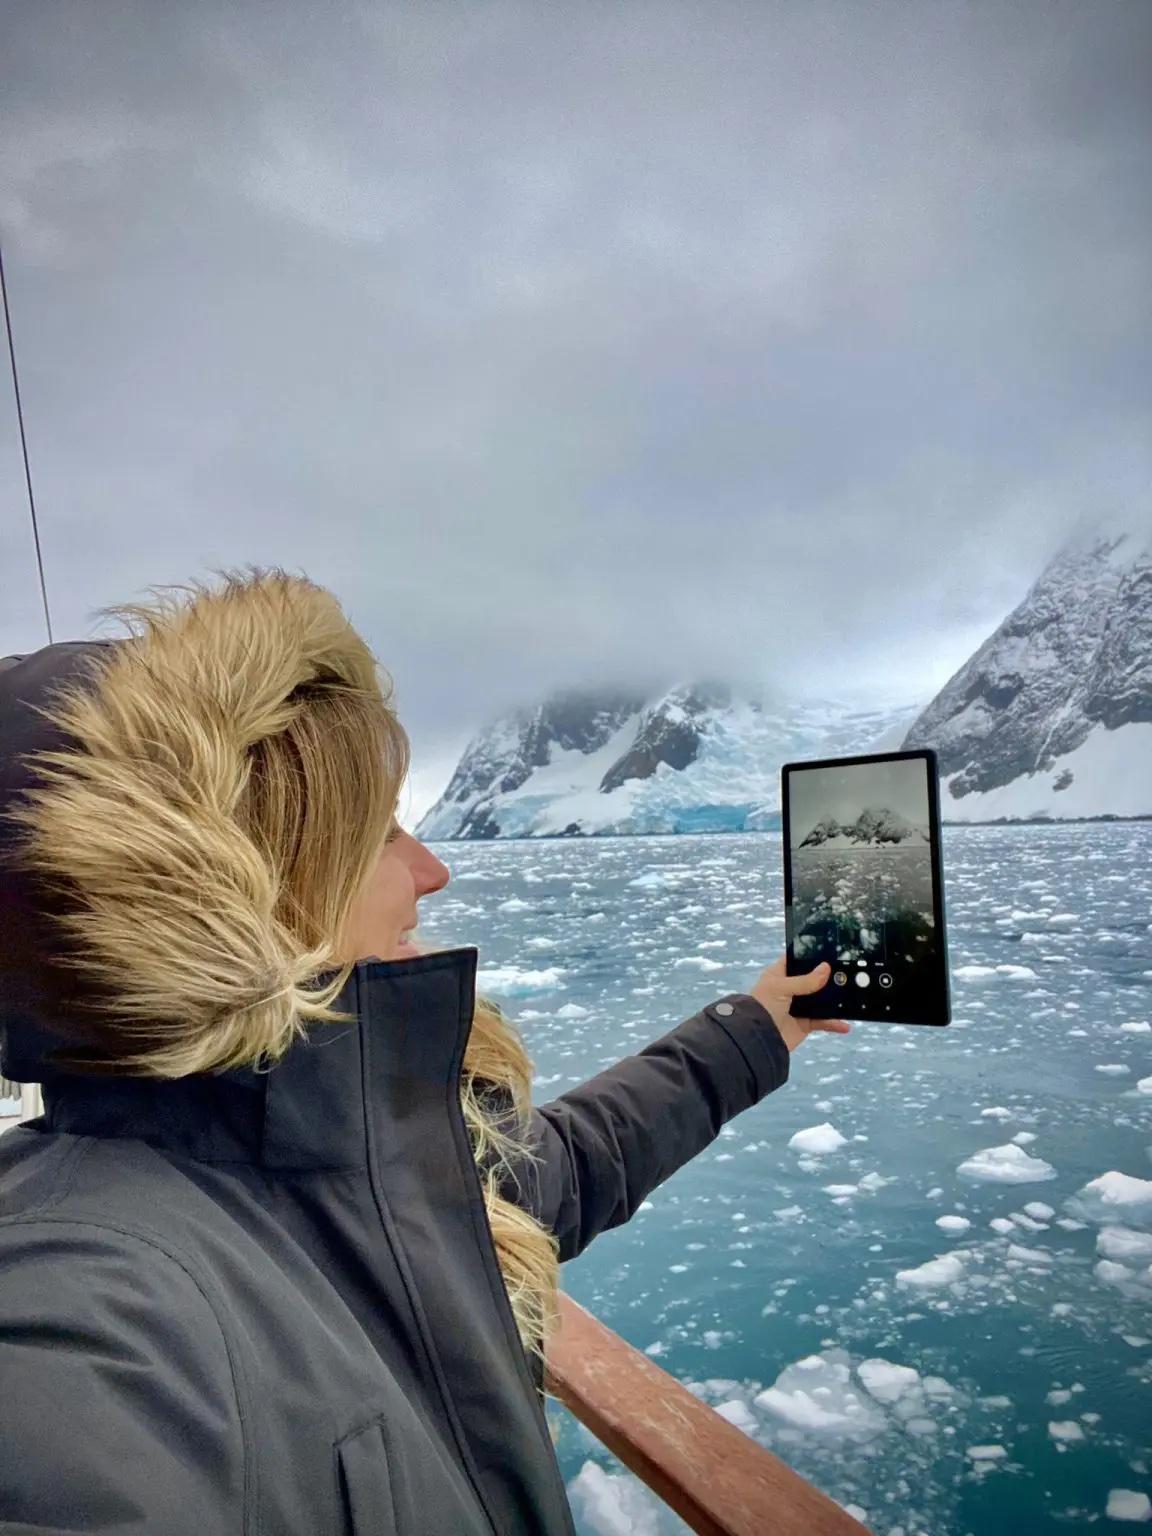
x=572, y=343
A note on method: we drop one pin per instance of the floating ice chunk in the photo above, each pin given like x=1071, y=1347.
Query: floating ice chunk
x=1058, y=1395
x=739, y=1413
x=1137, y=1027
x=1144, y=1085
x=514, y=904
x=973, y=972
x=652, y=878
x=885, y=1381
x=945, y=1269
x=1066, y=1431
x=936, y=1386
x=1116, y=1198
x=997, y=1112
x=987, y=1452
x=572, y=1011
x=1113, y=1068
x=816, y=1394
x=1039, y=1211
x=511, y=979
x=1124, y=1504
x=1002, y=1225
x=818, y=1140
x=1027, y=1223
x=1124, y=1244
x=615, y=1504
x=1114, y=1274
x=953, y=1223
x=1006, y=1165
x=873, y=1181
x=1028, y=1255
x=1017, y=972
x=1024, y=1138
x=700, y=962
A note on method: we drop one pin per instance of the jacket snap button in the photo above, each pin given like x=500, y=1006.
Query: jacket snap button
x=725, y=1009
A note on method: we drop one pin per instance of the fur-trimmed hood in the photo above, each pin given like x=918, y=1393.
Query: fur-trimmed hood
x=35, y=986
x=140, y=912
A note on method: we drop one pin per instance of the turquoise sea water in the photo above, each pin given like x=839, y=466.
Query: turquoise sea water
x=756, y=1256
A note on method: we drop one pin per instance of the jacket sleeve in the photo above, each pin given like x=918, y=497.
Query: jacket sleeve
x=118, y=1412
x=604, y=1146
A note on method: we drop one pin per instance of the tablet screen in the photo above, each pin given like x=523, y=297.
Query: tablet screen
x=863, y=886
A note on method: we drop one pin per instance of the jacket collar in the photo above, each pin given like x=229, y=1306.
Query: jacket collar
x=397, y=1061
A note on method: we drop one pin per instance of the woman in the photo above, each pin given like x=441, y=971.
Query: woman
x=281, y=1254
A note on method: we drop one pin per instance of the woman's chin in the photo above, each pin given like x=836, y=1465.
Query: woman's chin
x=404, y=950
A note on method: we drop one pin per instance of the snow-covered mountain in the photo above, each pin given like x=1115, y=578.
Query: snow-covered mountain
x=699, y=758
x=875, y=827
x=1052, y=717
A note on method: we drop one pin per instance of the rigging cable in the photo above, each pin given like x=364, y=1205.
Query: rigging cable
x=24, y=446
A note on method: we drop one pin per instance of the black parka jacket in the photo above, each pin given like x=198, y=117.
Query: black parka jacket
x=270, y=1304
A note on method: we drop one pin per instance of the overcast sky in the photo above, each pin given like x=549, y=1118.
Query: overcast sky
x=578, y=342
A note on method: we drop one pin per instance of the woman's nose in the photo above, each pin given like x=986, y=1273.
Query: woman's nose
x=432, y=873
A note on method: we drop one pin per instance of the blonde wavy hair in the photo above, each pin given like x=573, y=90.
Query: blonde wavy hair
x=242, y=740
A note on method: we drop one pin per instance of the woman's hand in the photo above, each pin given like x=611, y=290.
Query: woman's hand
x=776, y=989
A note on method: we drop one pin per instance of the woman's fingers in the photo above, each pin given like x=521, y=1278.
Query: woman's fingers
x=833, y=1026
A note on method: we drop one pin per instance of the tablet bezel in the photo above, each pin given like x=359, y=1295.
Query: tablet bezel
x=832, y=1001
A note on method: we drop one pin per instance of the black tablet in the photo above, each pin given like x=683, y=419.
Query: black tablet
x=863, y=886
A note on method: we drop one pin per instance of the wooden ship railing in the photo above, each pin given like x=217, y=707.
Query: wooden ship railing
x=720, y=1482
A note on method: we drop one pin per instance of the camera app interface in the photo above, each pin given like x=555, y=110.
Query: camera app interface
x=861, y=859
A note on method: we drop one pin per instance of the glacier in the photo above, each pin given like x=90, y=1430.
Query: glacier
x=729, y=784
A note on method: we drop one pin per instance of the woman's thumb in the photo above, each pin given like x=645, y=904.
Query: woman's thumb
x=797, y=986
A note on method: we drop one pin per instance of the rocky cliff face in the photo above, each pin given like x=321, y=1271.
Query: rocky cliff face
x=670, y=734
x=505, y=755
x=1071, y=662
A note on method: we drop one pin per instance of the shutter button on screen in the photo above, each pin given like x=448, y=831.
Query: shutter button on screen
x=863, y=979
x=725, y=1009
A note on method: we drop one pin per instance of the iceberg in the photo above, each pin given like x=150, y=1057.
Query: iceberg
x=1116, y=1198
x=818, y=1139
x=1008, y=1164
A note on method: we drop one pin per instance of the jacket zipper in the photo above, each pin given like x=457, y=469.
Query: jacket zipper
x=491, y=1260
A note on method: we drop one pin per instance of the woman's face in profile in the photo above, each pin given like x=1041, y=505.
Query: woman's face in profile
x=385, y=911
